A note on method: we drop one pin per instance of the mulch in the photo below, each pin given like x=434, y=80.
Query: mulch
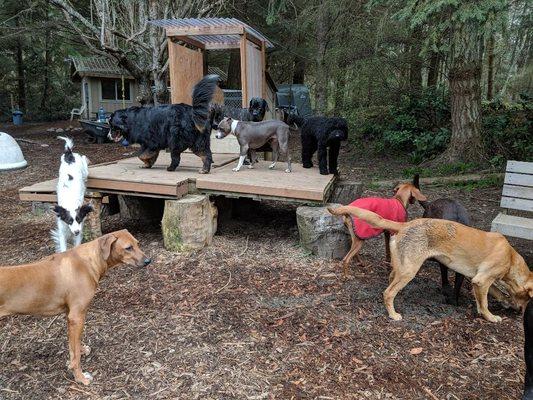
x=253, y=316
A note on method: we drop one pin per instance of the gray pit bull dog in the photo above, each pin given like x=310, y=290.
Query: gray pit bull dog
x=252, y=135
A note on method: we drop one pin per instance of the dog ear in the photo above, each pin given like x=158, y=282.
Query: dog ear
x=60, y=211
x=416, y=194
x=83, y=211
x=416, y=181
x=265, y=104
x=106, y=242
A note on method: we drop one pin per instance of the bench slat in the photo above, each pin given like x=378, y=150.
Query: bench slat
x=521, y=192
x=520, y=167
x=517, y=204
x=511, y=225
x=519, y=179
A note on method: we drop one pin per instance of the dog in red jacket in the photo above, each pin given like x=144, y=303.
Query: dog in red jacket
x=394, y=209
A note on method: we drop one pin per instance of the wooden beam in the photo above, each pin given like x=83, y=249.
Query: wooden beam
x=189, y=40
x=205, y=30
x=222, y=46
x=244, y=71
x=263, y=70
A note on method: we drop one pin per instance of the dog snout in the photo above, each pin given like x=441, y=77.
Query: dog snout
x=219, y=135
x=76, y=232
x=147, y=261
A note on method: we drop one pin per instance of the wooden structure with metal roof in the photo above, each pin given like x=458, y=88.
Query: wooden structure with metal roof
x=189, y=38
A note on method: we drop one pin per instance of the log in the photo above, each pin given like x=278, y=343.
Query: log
x=345, y=191
x=144, y=209
x=321, y=233
x=189, y=223
x=92, y=226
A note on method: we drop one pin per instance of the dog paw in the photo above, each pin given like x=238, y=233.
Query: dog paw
x=324, y=173
x=395, y=316
x=235, y=169
x=170, y=169
x=271, y=166
x=203, y=171
x=85, y=378
x=288, y=170
x=493, y=318
x=250, y=166
x=85, y=350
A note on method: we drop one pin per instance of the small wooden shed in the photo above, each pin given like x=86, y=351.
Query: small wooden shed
x=190, y=38
x=103, y=83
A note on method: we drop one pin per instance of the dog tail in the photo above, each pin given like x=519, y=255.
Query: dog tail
x=69, y=143
x=202, y=94
x=368, y=216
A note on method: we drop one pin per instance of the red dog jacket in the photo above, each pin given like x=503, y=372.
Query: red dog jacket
x=391, y=209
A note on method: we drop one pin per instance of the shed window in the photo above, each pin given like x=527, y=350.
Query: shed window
x=112, y=89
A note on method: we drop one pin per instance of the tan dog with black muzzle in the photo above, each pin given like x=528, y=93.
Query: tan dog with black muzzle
x=485, y=257
x=66, y=283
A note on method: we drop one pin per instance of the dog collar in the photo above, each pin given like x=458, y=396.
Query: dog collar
x=234, y=126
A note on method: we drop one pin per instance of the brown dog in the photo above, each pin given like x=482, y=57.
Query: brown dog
x=483, y=256
x=66, y=283
x=404, y=194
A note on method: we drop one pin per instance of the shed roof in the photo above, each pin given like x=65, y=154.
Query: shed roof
x=211, y=33
x=97, y=66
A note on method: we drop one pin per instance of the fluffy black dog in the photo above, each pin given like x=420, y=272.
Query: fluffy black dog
x=528, y=351
x=176, y=126
x=255, y=112
x=320, y=133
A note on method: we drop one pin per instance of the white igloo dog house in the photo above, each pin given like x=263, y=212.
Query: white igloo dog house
x=11, y=156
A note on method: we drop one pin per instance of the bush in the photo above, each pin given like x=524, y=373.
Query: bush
x=420, y=127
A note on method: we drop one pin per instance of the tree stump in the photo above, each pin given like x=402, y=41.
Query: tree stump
x=321, y=233
x=92, y=226
x=344, y=192
x=189, y=223
x=140, y=208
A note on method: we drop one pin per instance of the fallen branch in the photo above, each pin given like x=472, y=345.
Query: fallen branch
x=32, y=142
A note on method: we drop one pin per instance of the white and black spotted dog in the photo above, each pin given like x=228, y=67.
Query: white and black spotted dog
x=70, y=209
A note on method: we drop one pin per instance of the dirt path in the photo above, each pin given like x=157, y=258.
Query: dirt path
x=253, y=316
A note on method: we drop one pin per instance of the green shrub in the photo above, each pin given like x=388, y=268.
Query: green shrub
x=420, y=127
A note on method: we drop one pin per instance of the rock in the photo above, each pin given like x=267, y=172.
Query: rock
x=344, y=192
x=77, y=129
x=51, y=130
x=60, y=130
x=321, y=233
x=189, y=223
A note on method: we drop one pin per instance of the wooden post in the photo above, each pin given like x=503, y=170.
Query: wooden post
x=263, y=71
x=244, y=71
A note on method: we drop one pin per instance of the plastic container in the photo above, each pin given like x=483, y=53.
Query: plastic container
x=101, y=114
x=17, y=117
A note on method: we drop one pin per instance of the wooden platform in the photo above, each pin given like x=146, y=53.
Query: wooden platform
x=127, y=177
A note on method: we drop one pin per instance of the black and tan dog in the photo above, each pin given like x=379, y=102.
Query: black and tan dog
x=176, y=126
x=66, y=283
x=485, y=257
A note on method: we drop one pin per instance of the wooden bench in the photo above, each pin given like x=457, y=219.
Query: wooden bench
x=517, y=194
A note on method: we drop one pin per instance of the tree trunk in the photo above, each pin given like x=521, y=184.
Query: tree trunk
x=465, y=92
x=46, y=70
x=490, y=68
x=340, y=89
x=415, y=65
x=433, y=72
x=298, y=74
x=234, y=70
x=321, y=91
x=21, y=80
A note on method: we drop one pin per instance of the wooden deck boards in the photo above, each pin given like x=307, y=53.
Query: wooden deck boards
x=300, y=184
x=127, y=177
